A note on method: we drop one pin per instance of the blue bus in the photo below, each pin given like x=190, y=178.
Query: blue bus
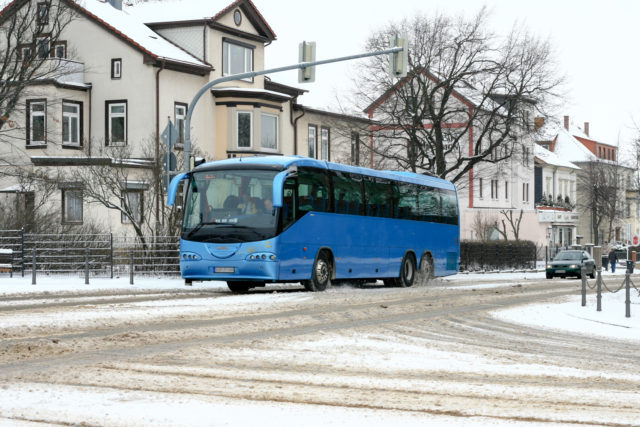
x=256, y=220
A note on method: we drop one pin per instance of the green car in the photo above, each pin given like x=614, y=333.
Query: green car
x=569, y=263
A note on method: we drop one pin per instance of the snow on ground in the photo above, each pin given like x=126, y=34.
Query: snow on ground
x=563, y=314
x=93, y=406
x=31, y=402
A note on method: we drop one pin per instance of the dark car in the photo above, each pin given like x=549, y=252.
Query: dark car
x=569, y=263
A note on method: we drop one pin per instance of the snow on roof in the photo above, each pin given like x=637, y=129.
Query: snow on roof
x=18, y=188
x=551, y=158
x=567, y=147
x=152, y=11
x=135, y=31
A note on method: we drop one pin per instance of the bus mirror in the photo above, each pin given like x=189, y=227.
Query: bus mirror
x=173, y=187
x=278, y=186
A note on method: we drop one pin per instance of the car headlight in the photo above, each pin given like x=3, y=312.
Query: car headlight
x=549, y=266
x=574, y=266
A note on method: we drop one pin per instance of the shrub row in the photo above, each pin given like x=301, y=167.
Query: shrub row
x=497, y=254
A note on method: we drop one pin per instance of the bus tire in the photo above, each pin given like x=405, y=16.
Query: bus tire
x=407, y=271
x=239, y=287
x=320, y=275
x=425, y=273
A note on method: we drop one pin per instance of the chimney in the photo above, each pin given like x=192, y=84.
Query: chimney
x=586, y=128
x=538, y=122
x=566, y=122
x=116, y=3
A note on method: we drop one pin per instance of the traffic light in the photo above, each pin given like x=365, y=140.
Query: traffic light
x=307, y=53
x=399, y=61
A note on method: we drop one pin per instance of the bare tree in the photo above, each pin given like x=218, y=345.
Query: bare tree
x=514, y=223
x=602, y=198
x=468, y=98
x=29, y=32
x=484, y=226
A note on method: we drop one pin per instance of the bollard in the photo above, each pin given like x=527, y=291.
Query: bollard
x=131, y=270
x=33, y=267
x=583, y=276
x=627, y=301
x=599, y=290
x=86, y=266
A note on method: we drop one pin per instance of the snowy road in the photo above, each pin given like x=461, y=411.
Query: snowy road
x=380, y=356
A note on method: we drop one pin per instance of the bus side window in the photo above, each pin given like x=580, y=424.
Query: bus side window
x=288, y=204
x=313, y=191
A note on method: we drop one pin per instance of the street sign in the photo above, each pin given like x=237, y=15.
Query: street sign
x=170, y=135
x=169, y=162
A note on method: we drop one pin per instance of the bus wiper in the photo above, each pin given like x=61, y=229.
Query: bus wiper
x=199, y=226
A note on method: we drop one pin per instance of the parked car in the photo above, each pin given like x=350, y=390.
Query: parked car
x=569, y=263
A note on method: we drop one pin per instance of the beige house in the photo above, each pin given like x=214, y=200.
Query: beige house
x=126, y=72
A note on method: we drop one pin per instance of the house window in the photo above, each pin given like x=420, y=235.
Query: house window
x=494, y=189
x=480, y=187
x=180, y=115
x=43, y=13
x=43, y=47
x=269, y=134
x=236, y=58
x=71, y=122
x=245, y=129
x=506, y=190
x=25, y=53
x=60, y=50
x=525, y=191
x=116, y=122
x=324, y=144
x=72, y=206
x=132, y=202
x=116, y=68
x=313, y=132
x=355, y=148
x=37, y=122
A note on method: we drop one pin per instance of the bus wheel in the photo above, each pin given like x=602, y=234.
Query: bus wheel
x=320, y=275
x=425, y=274
x=238, y=287
x=407, y=272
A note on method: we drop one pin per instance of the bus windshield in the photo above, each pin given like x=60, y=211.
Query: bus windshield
x=230, y=206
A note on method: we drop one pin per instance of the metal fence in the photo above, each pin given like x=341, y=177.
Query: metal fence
x=105, y=255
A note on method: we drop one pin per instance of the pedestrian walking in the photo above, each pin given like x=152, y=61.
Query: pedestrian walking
x=613, y=259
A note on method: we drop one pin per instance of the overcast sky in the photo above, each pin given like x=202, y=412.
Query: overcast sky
x=596, y=44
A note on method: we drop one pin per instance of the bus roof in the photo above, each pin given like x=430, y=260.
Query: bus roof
x=284, y=162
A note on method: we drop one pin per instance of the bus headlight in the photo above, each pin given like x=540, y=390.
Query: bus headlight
x=261, y=256
x=190, y=256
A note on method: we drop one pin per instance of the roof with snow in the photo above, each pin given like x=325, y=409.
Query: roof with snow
x=132, y=30
x=568, y=147
x=549, y=158
x=180, y=11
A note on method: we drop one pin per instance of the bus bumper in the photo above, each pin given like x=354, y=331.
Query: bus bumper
x=230, y=270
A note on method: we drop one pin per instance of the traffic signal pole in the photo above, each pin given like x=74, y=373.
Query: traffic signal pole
x=212, y=83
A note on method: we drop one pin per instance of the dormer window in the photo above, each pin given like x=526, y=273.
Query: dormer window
x=237, y=58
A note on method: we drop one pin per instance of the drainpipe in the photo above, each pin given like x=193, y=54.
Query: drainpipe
x=294, y=122
x=90, y=119
x=158, y=187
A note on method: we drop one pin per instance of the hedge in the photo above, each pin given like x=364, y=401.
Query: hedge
x=497, y=254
